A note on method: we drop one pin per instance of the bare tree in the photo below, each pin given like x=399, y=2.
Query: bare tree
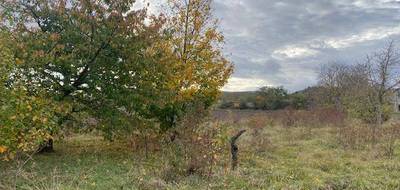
x=342, y=82
x=384, y=76
x=331, y=77
x=362, y=89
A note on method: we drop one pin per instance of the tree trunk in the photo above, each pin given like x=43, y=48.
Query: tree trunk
x=378, y=122
x=46, y=146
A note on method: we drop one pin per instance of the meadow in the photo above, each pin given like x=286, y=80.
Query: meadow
x=274, y=153
x=123, y=95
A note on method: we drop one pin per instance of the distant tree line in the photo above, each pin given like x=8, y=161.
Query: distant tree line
x=267, y=98
x=362, y=90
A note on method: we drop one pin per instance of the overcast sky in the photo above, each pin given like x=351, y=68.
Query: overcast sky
x=284, y=43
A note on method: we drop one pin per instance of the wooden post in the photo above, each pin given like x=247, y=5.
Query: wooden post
x=46, y=146
x=235, y=149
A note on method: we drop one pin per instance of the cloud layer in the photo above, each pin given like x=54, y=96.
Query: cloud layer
x=285, y=42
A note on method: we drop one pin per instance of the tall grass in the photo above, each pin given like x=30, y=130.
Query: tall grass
x=318, y=149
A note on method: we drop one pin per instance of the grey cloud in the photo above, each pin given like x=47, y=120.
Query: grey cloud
x=305, y=33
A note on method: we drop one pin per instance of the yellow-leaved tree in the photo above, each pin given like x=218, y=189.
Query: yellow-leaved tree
x=190, y=58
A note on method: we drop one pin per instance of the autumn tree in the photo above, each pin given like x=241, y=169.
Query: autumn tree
x=88, y=52
x=26, y=118
x=191, y=59
x=121, y=65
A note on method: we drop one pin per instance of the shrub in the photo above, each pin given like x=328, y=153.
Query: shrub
x=195, y=146
x=205, y=148
x=195, y=152
x=388, y=137
x=257, y=124
x=329, y=116
x=355, y=136
x=315, y=117
x=260, y=140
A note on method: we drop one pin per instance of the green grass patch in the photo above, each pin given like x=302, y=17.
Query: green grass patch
x=293, y=161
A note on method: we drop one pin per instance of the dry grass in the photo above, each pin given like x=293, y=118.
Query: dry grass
x=312, y=154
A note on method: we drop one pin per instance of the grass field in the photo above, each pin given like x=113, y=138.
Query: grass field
x=295, y=158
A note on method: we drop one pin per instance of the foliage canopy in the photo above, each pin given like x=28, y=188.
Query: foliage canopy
x=124, y=67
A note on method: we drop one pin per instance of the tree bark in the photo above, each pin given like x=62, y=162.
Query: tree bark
x=379, y=119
